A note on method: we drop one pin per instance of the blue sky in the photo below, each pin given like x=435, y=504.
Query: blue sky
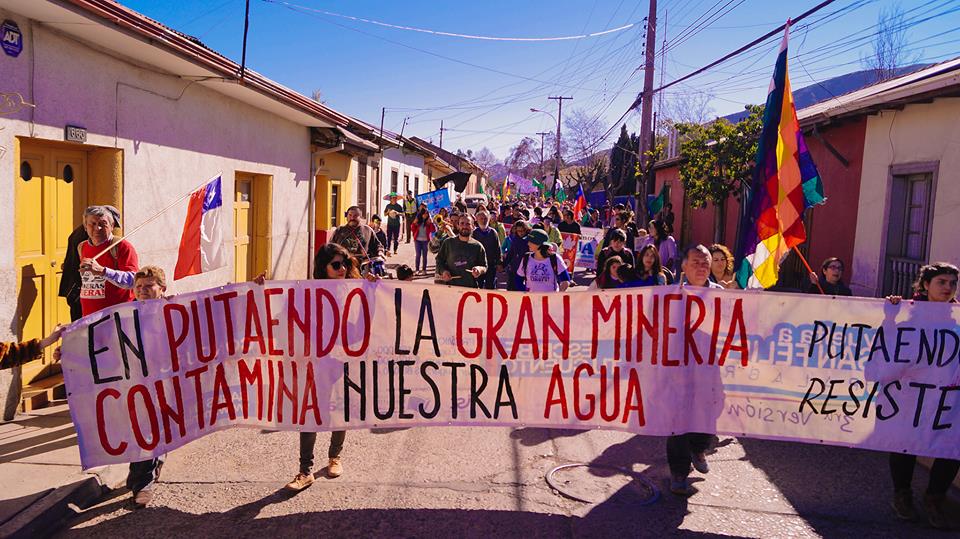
x=361, y=67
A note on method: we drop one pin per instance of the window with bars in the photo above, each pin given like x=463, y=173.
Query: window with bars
x=908, y=227
x=362, y=185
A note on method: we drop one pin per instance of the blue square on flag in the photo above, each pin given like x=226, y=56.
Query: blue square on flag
x=212, y=198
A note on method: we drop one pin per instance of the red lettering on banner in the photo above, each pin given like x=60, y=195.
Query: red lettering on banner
x=294, y=319
x=222, y=399
x=225, y=298
x=715, y=332
x=600, y=313
x=525, y=319
x=271, y=321
x=151, y=411
x=211, y=331
x=476, y=332
x=650, y=326
x=690, y=329
x=493, y=341
x=324, y=294
x=167, y=412
x=253, y=324
x=310, y=401
x=195, y=374
x=634, y=394
x=283, y=390
x=560, y=332
x=102, y=423
x=590, y=398
x=556, y=384
x=269, y=389
x=175, y=342
x=247, y=377
x=364, y=318
x=736, y=327
x=628, y=340
x=612, y=415
x=668, y=330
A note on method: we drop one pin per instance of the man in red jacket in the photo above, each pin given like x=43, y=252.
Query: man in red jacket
x=107, y=266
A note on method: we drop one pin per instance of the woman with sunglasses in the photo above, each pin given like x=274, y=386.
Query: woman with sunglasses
x=332, y=262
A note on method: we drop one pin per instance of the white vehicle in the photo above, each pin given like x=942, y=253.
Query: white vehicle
x=472, y=201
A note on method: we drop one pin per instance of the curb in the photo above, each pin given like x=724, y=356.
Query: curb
x=48, y=514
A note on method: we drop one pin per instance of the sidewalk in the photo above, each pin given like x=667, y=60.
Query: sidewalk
x=41, y=476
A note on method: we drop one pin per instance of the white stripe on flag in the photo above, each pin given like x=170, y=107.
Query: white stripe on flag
x=212, y=255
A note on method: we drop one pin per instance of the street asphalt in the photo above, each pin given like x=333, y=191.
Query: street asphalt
x=491, y=482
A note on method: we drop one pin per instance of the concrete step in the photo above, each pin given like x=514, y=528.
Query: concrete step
x=41, y=393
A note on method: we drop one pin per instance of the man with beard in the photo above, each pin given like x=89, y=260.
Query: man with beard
x=462, y=259
x=359, y=239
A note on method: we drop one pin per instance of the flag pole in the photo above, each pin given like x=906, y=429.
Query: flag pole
x=154, y=217
x=807, y=264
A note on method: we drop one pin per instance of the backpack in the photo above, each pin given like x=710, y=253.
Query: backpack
x=553, y=264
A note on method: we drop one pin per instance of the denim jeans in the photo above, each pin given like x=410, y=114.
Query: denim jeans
x=942, y=473
x=143, y=474
x=679, y=448
x=393, y=236
x=422, y=249
x=308, y=440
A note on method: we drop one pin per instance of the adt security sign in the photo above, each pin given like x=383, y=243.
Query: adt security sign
x=12, y=38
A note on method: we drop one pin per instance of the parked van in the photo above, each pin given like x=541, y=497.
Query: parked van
x=472, y=201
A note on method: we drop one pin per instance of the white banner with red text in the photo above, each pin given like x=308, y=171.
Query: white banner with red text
x=147, y=377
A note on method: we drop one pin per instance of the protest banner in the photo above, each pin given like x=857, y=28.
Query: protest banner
x=147, y=377
x=587, y=248
x=435, y=200
x=569, y=249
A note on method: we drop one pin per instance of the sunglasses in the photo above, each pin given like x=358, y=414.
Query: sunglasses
x=337, y=265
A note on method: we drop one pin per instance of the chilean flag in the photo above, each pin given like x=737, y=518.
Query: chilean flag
x=201, y=245
x=580, y=204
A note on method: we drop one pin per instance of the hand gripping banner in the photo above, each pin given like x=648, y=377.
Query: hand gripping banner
x=147, y=377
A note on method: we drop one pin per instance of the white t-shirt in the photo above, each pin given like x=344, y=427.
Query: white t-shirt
x=539, y=274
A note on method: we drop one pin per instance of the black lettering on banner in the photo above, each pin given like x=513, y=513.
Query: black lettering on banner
x=94, y=368
x=890, y=399
x=923, y=390
x=807, y=398
x=942, y=407
x=376, y=391
x=476, y=390
x=397, y=303
x=504, y=386
x=402, y=391
x=126, y=343
x=360, y=388
x=453, y=384
x=433, y=388
x=426, y=308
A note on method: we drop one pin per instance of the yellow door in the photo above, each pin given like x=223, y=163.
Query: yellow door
x=50, y=187
x=252, y=215
x=243, y=228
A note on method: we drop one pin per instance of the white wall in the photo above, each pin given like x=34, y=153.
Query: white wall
x=918, y=133
x=405, y=163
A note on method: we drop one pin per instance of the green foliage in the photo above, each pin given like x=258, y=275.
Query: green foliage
x=718, y=157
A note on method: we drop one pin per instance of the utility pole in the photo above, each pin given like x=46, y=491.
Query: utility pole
x=376, y=200
x=542, y=135
x=644, y=185
x=246, y=26
x=556, y=161
x=441, y=134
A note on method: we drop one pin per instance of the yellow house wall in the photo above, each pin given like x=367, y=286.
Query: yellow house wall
x=334, y=168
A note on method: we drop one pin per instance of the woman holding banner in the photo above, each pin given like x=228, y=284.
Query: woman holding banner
x=936, y=282
x=332, y=262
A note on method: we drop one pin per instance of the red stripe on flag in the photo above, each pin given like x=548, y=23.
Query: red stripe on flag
x=188, y=258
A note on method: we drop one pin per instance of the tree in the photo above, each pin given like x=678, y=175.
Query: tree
x=623, y=164
x=718, y=160
x=317, y=95
x=889, y=47
x=485, y=159
x=523, y=155
x=585, y=134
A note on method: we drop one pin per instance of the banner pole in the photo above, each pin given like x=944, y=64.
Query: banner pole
x=807, y=264
x=117, y=240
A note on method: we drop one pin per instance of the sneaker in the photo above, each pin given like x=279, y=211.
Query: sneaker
x=334, y=468
x=902, y=504
x=394, y=251
x=933, y=506
x=699, y=461
x=300, y=482
x=143, y=498
x=680, y=486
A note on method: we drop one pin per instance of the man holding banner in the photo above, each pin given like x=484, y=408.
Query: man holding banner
x=462, y=259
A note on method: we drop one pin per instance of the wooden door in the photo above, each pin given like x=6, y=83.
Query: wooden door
x=243, y=228
x=50, y=197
